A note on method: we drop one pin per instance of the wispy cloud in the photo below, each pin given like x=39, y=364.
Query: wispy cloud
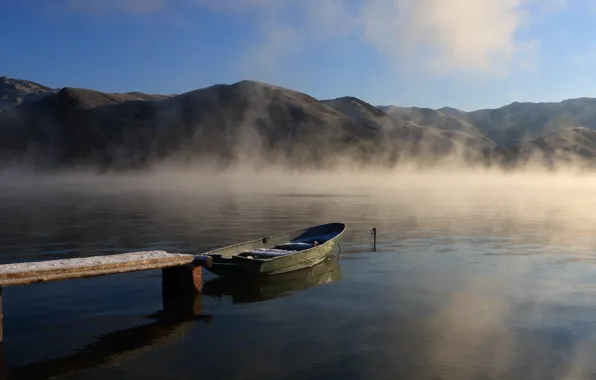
x=287, y=27
x=446, y=35
x=442, y=37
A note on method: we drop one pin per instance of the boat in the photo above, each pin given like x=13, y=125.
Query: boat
x=271, y=287
x=277, y=254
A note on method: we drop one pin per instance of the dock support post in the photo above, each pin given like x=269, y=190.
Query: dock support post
x=182, y=280
x=181, y=293
x=185, y=279
x=2, y=362
x=1, y=319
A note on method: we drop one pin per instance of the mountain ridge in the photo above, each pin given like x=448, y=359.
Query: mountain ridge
x=226, y=122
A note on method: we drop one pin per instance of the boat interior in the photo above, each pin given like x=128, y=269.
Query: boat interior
x=301, y=243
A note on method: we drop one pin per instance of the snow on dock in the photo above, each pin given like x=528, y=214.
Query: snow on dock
x=41, y=271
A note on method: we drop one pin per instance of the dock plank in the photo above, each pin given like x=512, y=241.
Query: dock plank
x=51, y=270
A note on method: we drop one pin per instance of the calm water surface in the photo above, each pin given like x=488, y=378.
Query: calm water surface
x=467, y=283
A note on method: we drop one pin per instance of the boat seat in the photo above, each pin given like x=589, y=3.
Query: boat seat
x=265, y=253
x=294, y=246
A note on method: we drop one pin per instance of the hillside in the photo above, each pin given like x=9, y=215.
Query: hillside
x=80, y=126
x=362, y=112
x=430, y=118
x=257, y=121
x=15, y=91
x=416, y=137
x=527, y=121
x=224, y=123
x=575, y=146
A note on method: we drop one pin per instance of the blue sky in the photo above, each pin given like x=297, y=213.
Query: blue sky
x=467, y=54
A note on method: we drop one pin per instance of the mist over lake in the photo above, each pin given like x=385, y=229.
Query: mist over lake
x=475, y=275
x=413, y=181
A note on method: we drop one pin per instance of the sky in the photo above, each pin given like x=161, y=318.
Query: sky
x=466, y=54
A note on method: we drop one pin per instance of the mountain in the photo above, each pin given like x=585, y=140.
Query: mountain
x=143, y=96
x=362, y=112
x=512, y=126
x=15, y=91
x=79, y=126
x=567, y=145
x=407, y=137
x=576, y=146
x=579, y=140
x=225, y=123
x=452, y=112
x=248, y=120
x=435, y=119
x=527, y=121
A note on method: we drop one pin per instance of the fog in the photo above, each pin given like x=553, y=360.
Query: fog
x=560, y=201
x=485, y=264
x=506, y=256
x=501, y=248
x=344, y=176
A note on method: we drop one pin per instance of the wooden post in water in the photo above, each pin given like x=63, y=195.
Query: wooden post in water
x=1, y=319
x=2, y=362
x=181, y=288
x=185, y=279
x=373, y=232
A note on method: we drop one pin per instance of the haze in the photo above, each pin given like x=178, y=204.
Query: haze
x=561, y=201
x=190, y=124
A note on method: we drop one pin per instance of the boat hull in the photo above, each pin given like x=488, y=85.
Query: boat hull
x=226, y=263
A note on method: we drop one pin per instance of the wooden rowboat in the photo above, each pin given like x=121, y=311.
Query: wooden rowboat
x=281, y=253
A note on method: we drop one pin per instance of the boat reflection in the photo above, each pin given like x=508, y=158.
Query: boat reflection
x=178, y=316
x=282, y=285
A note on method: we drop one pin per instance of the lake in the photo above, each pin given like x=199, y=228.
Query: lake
x=475, y=276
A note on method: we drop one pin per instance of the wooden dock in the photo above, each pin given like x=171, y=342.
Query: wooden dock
x=181, y=273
